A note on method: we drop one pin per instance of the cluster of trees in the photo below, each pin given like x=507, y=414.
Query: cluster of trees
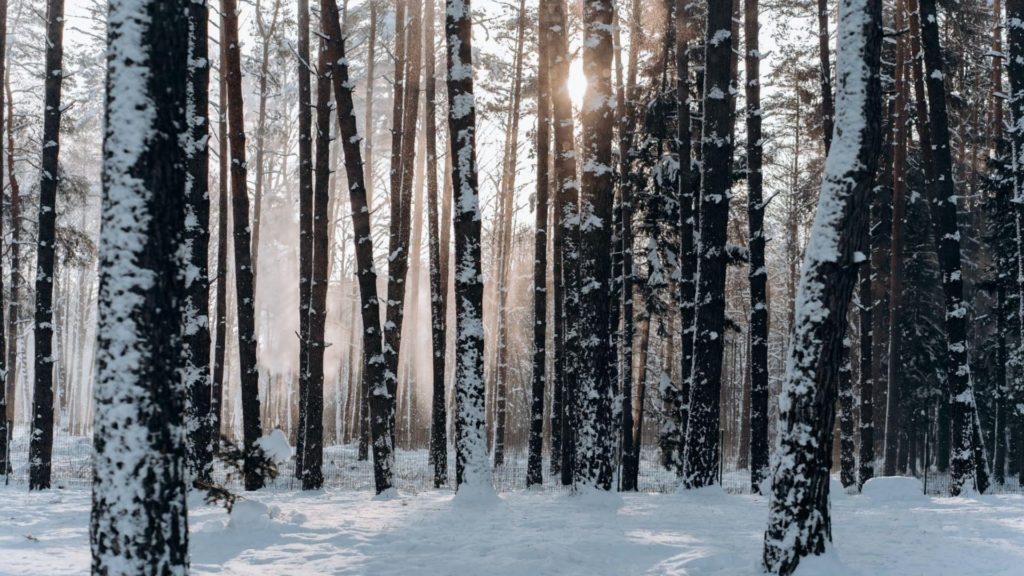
x=899, y=181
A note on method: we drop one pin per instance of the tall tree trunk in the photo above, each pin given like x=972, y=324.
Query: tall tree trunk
x=847, y=460
x=220, y=344
x=14, y=296
x=196, y=343
x=504, y=260
x=5, y=424
x=403, y=158
x=313, y=402
x=139, y=521
x=594, y=462
x=379, y=399
x=758, y=268
x=1015, y=72
x=368, y=127
x=41, y=446
x=471, y=470
x=566, y=206
x=799, y=522
x=535, y=466
x=244, y=289
x=968, y=455
x=702, y=450
x=438, y=279
x=828, y=108
x=305, y=221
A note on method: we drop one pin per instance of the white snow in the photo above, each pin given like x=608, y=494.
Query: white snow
x=275, y=446
x=697, y=533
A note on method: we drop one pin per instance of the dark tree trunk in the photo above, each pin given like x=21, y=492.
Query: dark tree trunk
x=470, y=429
x=438, y=276
x=968, y=455
x=702, y=450
x=14, y=302
x=799, y=522
x=244, y=290
x=220, y=344
x=535, y=466
x=313, y=425
x=828, y=108
x=305, y=223
x=758, y=268
x=594, y=464
x=1015, y=70
x=196, y=341
x=866, y=408
x=379, y=399
x=566, y=236
x=847, y=460
x=41, y=445
x=139, y=521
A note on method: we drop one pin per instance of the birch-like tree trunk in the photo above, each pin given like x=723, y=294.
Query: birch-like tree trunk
x=139, y=521
x=799, y=522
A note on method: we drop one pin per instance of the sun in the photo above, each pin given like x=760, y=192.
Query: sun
x=577, y=82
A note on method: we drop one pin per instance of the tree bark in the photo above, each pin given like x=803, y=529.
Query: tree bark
x=305, y=222
x=14, y=296
x=702, y=450
x=139, y=521
x=41, y=445
x=379, y=399
x=535, y=467
x=220, y=344
x=244, y=289
x=1015, y=72
x=758, y=270
x=968, y=456
x=5, y=422
x=196, y=342
x=799, y=521
x=472, y=471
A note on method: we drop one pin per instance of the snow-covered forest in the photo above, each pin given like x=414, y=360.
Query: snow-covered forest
x=512, y=287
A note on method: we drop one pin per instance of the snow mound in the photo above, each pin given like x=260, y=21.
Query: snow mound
x=893, y=488
x=480, y=495
x=275, y=446
x=250, y=514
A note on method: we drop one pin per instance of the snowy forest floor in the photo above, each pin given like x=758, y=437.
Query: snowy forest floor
x=887, y=530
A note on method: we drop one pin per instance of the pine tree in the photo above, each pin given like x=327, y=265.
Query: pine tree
x=968, y=457
x=702, y=446
x=534, y=470
x=471, y=471
x=220, y=344
x=4, y=431
x=799, y=522
x=139, y=522
x=1015, y=72
x=379, y=399
x=244, y=288
x=41, y=446
x=758, y=269
x=196, y=342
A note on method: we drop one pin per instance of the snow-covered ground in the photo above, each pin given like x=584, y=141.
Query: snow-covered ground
x=888, y=530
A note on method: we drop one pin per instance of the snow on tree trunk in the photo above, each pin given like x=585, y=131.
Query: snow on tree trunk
x=799, y=524
x=304, y=66
x=4, y=431
x=220, y=343
x=702, y=446
x=139, y=523
x=41, y=445
x=566, y=237
x=594, y=459
x=758, y=270
x=380, y=400
x=847, y=460
x=968, y=456
x=438, y=278
x=1015, y=68
x=252, y=429
x=534, y=469
x=472, y=470
x=196, y=341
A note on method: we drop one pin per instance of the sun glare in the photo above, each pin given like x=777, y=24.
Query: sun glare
x=577, y=82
